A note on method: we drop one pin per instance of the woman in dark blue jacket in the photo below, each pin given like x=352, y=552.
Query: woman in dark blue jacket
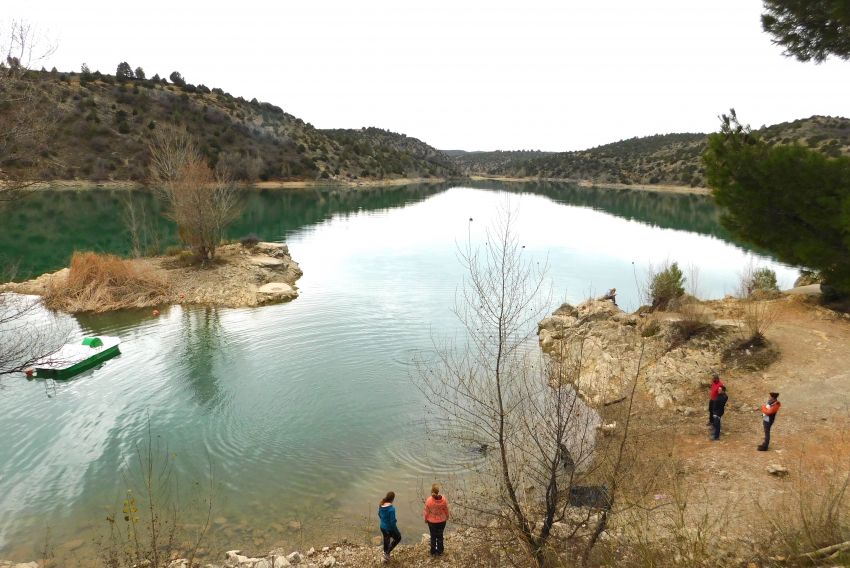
x=389, y=527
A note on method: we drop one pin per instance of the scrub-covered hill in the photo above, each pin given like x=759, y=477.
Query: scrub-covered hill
x=99, y=128
x=668, y=159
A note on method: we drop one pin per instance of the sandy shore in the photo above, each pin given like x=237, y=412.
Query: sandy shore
x=354, y=184
x=659, y=188
x=350, y=184
x=299, y=184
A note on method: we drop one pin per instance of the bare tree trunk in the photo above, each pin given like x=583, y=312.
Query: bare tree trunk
x=602, y=522
x=24, y=120
x=498, y=392
x=201, y=202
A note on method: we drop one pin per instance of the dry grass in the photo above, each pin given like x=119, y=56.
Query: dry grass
x=104, y=282
x=815, y=514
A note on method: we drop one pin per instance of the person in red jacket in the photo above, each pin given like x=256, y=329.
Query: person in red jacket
x=768, y=412
x=716, y=383
x=436, y=515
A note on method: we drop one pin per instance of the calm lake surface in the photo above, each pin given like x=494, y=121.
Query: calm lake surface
x=306, y=411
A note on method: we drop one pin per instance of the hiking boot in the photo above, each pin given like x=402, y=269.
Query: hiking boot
x=761, y=448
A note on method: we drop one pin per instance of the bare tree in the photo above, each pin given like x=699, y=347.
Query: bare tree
x=25, y=120
x=497, y=393
x=201, y=202
x=24, y=340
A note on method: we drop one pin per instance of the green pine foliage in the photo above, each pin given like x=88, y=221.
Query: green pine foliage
x=786, y=198
x=763, y=280
x=666, y=286
x=809, y=29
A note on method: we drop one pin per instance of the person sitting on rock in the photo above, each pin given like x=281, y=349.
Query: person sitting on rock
x=611, y=295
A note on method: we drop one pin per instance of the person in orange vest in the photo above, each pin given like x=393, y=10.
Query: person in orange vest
x=436, y=514
x=768, y=412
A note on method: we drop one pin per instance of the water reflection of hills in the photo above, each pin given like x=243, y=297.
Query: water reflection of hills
x=686, y=212
x=42, y=232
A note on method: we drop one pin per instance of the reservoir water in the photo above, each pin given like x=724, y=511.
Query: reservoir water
x=306, y=412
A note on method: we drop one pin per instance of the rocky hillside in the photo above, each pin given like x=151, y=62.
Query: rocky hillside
x=100, y=127
x=403, y=152
x=471, y=163
x=672, y=159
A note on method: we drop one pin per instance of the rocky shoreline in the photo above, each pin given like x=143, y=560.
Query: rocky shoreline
x=464, y=547
x=678, y=350
x=241, y=276
x=81, y=185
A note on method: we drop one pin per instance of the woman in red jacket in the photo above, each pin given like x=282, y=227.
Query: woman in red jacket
x=436, y=515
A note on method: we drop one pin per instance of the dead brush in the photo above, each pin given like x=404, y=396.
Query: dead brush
x=103, y=282
x=811, y=525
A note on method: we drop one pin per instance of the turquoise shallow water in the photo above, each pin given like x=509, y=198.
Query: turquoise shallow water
x=306, y=410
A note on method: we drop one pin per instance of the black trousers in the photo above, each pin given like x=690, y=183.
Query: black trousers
x=711, y=411
x=436, y=530
x=767, y=427
x=716, y=423
x=391, y=539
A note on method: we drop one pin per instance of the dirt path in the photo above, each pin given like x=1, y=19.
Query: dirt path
x=811, y=436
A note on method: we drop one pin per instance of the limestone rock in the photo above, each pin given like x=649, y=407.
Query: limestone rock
x=295, y=558
x=598, y=344
x=809, y=290
x=263, y=563
x=566, y=310
x=777, y=470
x=272, y=249
x=280, y=562
x=311, y=552
x=235, y=556
x=276, y=292
x=329, y=562
x=267, y=262
x=25, y=565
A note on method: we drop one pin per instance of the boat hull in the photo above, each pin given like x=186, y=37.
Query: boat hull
x=79, y=367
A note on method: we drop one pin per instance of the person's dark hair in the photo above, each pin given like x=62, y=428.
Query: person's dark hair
x=774, y=394
x=389, y=498
x=715, y=377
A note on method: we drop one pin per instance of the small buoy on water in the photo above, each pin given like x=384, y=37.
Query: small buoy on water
x=155, y=312
x=29, y=373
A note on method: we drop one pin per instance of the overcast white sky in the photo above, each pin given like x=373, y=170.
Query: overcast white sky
x=529, y=74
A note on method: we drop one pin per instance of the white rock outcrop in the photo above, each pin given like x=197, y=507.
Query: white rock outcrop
x=597, y=347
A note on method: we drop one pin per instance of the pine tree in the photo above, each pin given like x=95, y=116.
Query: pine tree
x=124, y=72
x=809, y=29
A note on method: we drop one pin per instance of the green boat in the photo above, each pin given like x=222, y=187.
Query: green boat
x=77, y=357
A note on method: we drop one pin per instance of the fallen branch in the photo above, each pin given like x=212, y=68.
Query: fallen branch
x=830, y=551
